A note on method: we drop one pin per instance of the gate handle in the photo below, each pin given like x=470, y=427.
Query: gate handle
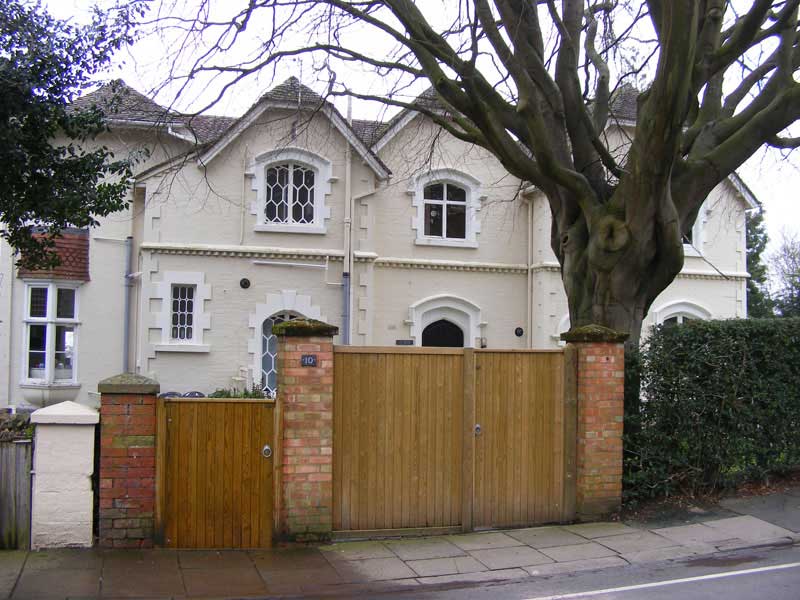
x=266, y=451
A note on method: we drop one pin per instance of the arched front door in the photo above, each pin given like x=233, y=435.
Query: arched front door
x=269, y=352
x=443, y=334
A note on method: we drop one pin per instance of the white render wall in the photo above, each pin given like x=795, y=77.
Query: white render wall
x=63, y=463
x=199, y=221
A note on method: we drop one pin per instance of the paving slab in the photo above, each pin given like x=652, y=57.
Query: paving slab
x=142, y=581
x=325, y=574
x=356, y=551
x=505, y=558
x=288, y=559
x=635, y=542
x=57, y=583
x=214, y=559
x=373, y=569
x=749, y=529
x=782, y=509
x=589, y=564
x=446, y=566
x=11, y=562
x=235, y=582
x=671, y=553
x=693, y=534
x=424, y=549
x=64, y=558
x=577, y=552
x=156, y=558
x=483, y=541
x=500, y=575
x=596, y=530
x=545, y=537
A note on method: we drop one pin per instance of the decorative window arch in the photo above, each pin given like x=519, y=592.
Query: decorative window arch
x=291, y=186
x=456, y=310
x=680, y=311
x=447, y=202
x=285, y=302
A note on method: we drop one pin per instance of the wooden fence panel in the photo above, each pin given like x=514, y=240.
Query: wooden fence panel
x=398, y=437
x=218, y=486
x=16, y=460
x=519, y=454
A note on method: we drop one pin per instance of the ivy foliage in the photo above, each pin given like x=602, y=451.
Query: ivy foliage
x=47, y=185
x=720, y=406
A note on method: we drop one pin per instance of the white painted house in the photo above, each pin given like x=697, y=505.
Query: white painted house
x=237, y=223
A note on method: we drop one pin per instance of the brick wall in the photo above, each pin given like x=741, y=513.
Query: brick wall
x=305, y=395
x=127, y=467
x=601, y=390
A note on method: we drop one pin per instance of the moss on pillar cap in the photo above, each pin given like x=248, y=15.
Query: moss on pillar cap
x=594, y=334
x=128, y=383
x=305, y=328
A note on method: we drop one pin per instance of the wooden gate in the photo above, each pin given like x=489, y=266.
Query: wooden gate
x=16, y=462
x=215, y=487
x=450, y=438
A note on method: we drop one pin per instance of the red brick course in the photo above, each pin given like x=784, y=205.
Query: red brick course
x=601, y=389
x=73, y=251
x=306, y=397
x=127, y=470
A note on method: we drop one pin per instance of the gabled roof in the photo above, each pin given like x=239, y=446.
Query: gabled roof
x=291, y=94
x=120, y=102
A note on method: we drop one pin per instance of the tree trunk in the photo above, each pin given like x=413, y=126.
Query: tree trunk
x=613, y=268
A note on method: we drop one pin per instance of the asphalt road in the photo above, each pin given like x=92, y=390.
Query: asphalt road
x=763, y=574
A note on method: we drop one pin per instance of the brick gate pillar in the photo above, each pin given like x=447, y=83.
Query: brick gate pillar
x=127, y=460
x=600, y=394
x=305, y=402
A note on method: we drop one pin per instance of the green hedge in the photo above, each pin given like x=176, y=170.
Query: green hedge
x=720, y=405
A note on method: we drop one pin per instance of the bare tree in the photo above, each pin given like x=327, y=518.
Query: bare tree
x=785, y=267
x=533, y=82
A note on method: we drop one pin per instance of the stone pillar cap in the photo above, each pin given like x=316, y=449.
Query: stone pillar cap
x=305, y=328
x=128, y=383
x=594, y=334
x=66, y=413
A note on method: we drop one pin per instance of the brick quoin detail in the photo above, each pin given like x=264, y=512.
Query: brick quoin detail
x=127, y=470
x=306, y=398
x=601, y=391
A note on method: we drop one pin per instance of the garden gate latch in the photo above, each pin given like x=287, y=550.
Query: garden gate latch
x=477, y=429
x=266, y=451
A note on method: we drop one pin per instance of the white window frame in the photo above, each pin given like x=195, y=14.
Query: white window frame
x=474, y=193
x=201, y=321
x=51, y=321
x=323, y=178
x=681, y=308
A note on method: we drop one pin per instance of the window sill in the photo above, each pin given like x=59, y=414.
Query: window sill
x=41, y=385
x=445, y=243
x=183, y=348
x=45, y=394
x=278, y=228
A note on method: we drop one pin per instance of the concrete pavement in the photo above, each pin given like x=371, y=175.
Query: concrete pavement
x=357, y=568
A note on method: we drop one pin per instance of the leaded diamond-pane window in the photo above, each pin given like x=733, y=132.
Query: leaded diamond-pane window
x=269, y=353
x=290, y=194
x=182, y=326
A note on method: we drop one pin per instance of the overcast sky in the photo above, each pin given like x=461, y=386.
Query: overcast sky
x=774, y=180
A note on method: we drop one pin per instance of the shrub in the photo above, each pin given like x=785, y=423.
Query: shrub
x=15, y=427
x=720, y=405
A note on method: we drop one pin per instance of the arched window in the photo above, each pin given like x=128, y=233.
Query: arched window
x=677, y=313
x=289, y=194
x=269, y=352
x=447, y=203
x=445, y=211
x=443, y=334
x=291, y=185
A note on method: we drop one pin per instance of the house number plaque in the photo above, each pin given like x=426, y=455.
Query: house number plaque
x=308, y=360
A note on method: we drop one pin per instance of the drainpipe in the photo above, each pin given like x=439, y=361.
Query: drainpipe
x=530, y=275
x=348, y=229
x=126, y=332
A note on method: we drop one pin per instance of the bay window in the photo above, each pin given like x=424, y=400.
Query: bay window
x=51, y=322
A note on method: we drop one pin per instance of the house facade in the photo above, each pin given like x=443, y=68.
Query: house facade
x=395, y=232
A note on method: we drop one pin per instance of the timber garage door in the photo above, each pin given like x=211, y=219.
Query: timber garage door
x=449, y=438
x=215, y=475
